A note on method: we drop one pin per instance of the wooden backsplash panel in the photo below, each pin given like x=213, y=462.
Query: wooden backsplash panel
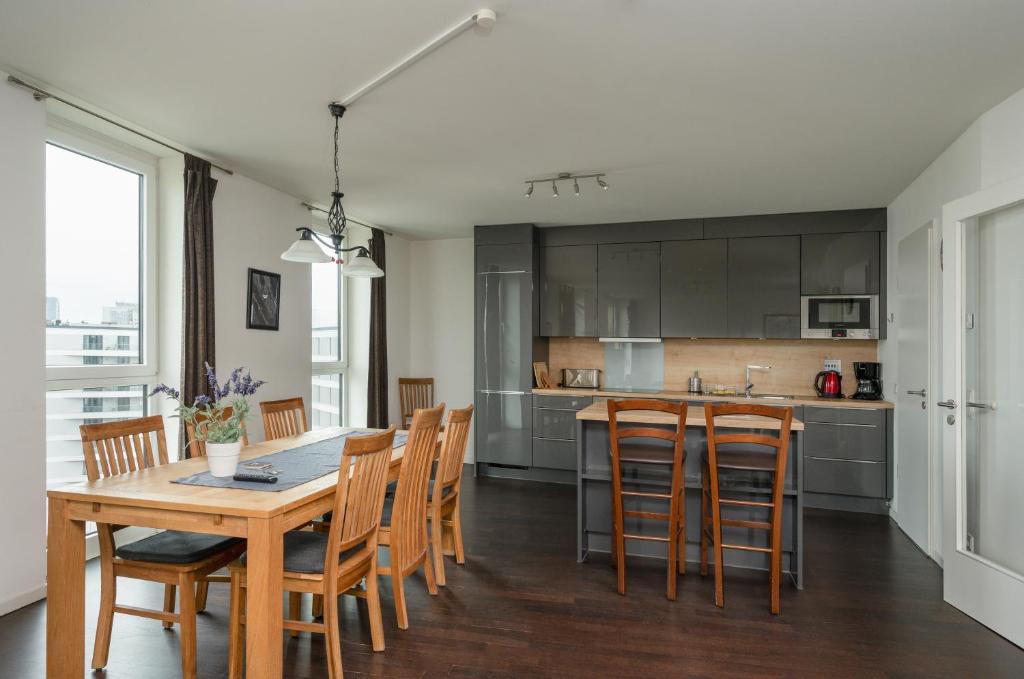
x=721, y=361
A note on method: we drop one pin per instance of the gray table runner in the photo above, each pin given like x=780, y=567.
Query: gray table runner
x=298, y=465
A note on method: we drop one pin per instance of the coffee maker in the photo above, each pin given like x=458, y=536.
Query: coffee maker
x=869, y=381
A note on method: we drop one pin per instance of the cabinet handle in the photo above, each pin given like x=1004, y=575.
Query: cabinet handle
x=840, y=459
x=842, y=424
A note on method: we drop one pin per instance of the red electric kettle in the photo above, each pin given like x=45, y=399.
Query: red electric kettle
x=829, y=384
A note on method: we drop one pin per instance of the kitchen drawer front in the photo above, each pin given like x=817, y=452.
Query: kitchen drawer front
x=845, y=477
x=553, y=454
x=845, y=441
x=554, y=424
x=869, y=416
x=562, y=402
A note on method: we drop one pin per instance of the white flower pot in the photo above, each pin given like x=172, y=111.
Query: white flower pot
x=223, y=458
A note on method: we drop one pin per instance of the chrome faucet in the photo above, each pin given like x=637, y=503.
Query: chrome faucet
x=747, y=384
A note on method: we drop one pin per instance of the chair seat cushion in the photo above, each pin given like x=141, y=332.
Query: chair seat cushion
x=304, y=551
x=746, y=461
x=175, y=546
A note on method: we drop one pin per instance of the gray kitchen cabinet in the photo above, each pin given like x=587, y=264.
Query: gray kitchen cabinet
x=847, y=459
x=568, y=294
x=764, y=287
x=504, y=428
x=629, y=290
x=694, y=283
x=554, y=430
x=840, y=264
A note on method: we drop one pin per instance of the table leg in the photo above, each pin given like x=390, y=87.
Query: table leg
x=264, y=607
x=65, y=593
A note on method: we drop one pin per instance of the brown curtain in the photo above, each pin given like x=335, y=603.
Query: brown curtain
x=197, y=346
x=377, y=387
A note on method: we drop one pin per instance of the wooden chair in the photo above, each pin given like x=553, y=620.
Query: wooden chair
x=197, y=448
x=641, y=453
x=757, y=460
x=444, y=510
x=286, y=417
x=403, y=528
x=334, y=562
x=413, y=393
x=175, y=558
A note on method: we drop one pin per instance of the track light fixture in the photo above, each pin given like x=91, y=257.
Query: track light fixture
x=565, y=176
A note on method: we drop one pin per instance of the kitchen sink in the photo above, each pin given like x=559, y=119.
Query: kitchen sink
x=776, y=397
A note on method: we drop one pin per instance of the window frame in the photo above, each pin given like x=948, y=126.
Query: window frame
x=119, y=155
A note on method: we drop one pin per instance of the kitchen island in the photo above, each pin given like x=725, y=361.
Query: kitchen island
x=594, y=513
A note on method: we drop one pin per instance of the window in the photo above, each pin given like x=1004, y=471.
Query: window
x=328, y=345
x=100, y=292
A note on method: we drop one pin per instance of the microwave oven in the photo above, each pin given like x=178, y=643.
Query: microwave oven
x=839, y=317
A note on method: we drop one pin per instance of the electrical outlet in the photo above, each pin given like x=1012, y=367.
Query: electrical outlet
x=834, y=364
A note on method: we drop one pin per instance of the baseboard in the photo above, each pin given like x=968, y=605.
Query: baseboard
x=24, y=599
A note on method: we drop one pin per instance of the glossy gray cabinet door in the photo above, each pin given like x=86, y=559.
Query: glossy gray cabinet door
x=504, y=428
x=568, y=291
x=840, y=264
x=764, y=287
x=629, y=290
x=504, y=317
x=694, y=280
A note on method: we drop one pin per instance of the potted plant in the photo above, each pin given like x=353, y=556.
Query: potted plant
x=218, y=420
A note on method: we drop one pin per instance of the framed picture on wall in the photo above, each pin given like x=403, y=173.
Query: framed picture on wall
x=264, y=300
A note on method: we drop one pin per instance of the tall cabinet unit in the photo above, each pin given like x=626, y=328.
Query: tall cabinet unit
x=506, y=325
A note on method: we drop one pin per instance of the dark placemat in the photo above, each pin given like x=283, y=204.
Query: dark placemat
x=298, y=465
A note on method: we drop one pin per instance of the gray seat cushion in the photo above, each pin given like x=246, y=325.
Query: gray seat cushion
x=389, y=501
x=175, y=546
x=304, y=552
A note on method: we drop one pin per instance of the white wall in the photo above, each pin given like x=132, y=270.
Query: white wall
x=22, y=376
x=990, y=151
x=441, y=319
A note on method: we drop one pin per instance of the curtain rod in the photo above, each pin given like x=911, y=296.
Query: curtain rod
x=310, y=206
x=41, y=94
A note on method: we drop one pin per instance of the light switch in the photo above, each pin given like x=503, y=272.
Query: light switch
x=834, y=364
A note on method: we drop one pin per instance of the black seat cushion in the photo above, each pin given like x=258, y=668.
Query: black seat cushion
x=304, y=552
x=175, y=546
x=389, y=501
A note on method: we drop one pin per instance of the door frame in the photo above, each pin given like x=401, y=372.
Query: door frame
x=995, y=594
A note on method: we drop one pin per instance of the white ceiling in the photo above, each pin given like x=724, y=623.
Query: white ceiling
x=692, y=108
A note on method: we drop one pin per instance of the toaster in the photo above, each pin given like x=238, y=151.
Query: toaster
x=581, y=378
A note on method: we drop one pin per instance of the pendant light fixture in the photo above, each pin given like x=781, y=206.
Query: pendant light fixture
x=306, y=249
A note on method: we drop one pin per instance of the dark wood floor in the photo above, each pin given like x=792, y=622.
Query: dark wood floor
x=522, y=607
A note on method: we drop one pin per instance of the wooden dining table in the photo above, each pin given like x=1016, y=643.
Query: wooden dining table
x=149, y=498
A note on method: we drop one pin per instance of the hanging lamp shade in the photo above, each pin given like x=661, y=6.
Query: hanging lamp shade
x=305, y=250
x=361, y=267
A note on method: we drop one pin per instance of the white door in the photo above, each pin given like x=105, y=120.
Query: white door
x=913, y=413
x=982, y=400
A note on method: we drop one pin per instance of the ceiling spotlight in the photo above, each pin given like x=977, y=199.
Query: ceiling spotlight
x=529, y=191
x=602, y=183
x=554, y=189
x=576, y=186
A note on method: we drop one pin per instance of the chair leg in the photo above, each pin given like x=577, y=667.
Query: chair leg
x=428, y=573
x=398, y=591
x=775, y=572
x=318, y=605
x=436, y=548
x=704, y=522
x=332, y=634
x=460, y=550
x=673, y=554
x=716, y=536
x=681, y=533
x=373, y=607
x=105, y=623
x=294, y=610
x=169, y=596
x=236, y=635
x=202, y=591
x=187, y=621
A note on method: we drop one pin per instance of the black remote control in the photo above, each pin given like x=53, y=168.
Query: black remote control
x=252, y=476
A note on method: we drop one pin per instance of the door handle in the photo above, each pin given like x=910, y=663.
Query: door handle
x=948, y=403
x=917, y=392
x=982, y=406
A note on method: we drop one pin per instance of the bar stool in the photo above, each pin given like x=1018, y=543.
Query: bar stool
x=640, y=453
x=772, y=461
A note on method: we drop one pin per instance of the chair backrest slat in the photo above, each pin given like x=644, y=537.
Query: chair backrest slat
x=409, y=513
x=413, y=393
x=453, y=450
x=285, y=417
x=779, y=444
x=359, y=499
x=676, y=435
x=114, y=448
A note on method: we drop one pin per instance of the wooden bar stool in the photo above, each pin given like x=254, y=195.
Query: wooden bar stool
x=769, y=457
x=649, y=454
x=413, y=393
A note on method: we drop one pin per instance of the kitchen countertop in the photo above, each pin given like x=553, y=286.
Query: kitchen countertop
x=598, y=413
x=797, y=400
